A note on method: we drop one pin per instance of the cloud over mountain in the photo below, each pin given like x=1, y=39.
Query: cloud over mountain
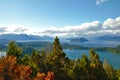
x=95, y=28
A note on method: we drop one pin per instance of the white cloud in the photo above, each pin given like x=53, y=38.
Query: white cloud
x=112, y=23
x=14, y=29
x=95, y=28
x=100, y=2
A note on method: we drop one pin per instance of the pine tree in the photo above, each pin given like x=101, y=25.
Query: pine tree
x=13, y=49
x=57, y=52
x=57, y=60
x=97, y=71
x=57, y=56
x=111, y=73
x=57, y=48
x=81, y=68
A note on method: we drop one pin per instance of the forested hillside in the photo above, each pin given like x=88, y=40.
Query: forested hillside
x=53, y=65
x=114, y=50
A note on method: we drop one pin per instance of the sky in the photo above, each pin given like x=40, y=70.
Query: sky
x=60, y=17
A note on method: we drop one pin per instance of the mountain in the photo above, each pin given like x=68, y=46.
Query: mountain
x=23, y=37
x=15, y=37
x=3, y=41
x=78, y=39
x=108, y=38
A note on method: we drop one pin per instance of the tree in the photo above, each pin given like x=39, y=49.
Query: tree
x=118, y=74
x=56, y=61
x=38, y=59
x=97, y=71
x=58, y=53
x=28, y=61
x=43, y=76
x=111, y=73
x=82, y=68
x=11, y=70
x=13, y=49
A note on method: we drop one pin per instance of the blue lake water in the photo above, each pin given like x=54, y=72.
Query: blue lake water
x=113, y=59
x=93, y=43
x=2, y=54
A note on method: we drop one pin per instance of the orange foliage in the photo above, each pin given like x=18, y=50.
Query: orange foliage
x=10, y=70
x=42, y=76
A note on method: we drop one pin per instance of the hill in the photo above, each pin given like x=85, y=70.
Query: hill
x=108, y=38
x=23, y=37
x=78, y=39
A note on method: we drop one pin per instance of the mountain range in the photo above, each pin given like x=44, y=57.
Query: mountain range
x=82, y=39
x=108, y=38
x=18, y=37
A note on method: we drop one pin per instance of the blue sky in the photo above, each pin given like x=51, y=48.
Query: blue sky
x=56, y=13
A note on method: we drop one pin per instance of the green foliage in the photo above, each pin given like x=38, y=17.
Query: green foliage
x=55, y=60
x=81, y=68
x=97, y=67
x=57, y=48
x=118, y=74
x=114, y=50
x=109, y=70
x=84, y=62
x=38, y=59
x=13, y=49
x=95, y=61
x=27, y=60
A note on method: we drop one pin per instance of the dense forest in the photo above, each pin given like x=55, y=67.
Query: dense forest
x=53, y=64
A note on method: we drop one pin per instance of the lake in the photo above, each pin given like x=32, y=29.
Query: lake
x=113, y=59
x=96, y=43
x=2, y=53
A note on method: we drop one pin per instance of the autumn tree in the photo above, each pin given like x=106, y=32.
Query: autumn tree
x=11, y=70
x=43, y=76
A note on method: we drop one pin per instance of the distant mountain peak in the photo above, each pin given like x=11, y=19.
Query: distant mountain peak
x=23, y=37
x=82, y=39
x=108, y=38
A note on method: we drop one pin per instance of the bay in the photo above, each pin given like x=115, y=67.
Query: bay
x=113, y=59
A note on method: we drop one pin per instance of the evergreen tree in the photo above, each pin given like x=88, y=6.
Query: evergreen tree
x=56, y=61
x=13, y=49
x=118, y=74
x=111, y=73
x=38, y=59
x=97, y=71
x=82, y=68
x=57, y=53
